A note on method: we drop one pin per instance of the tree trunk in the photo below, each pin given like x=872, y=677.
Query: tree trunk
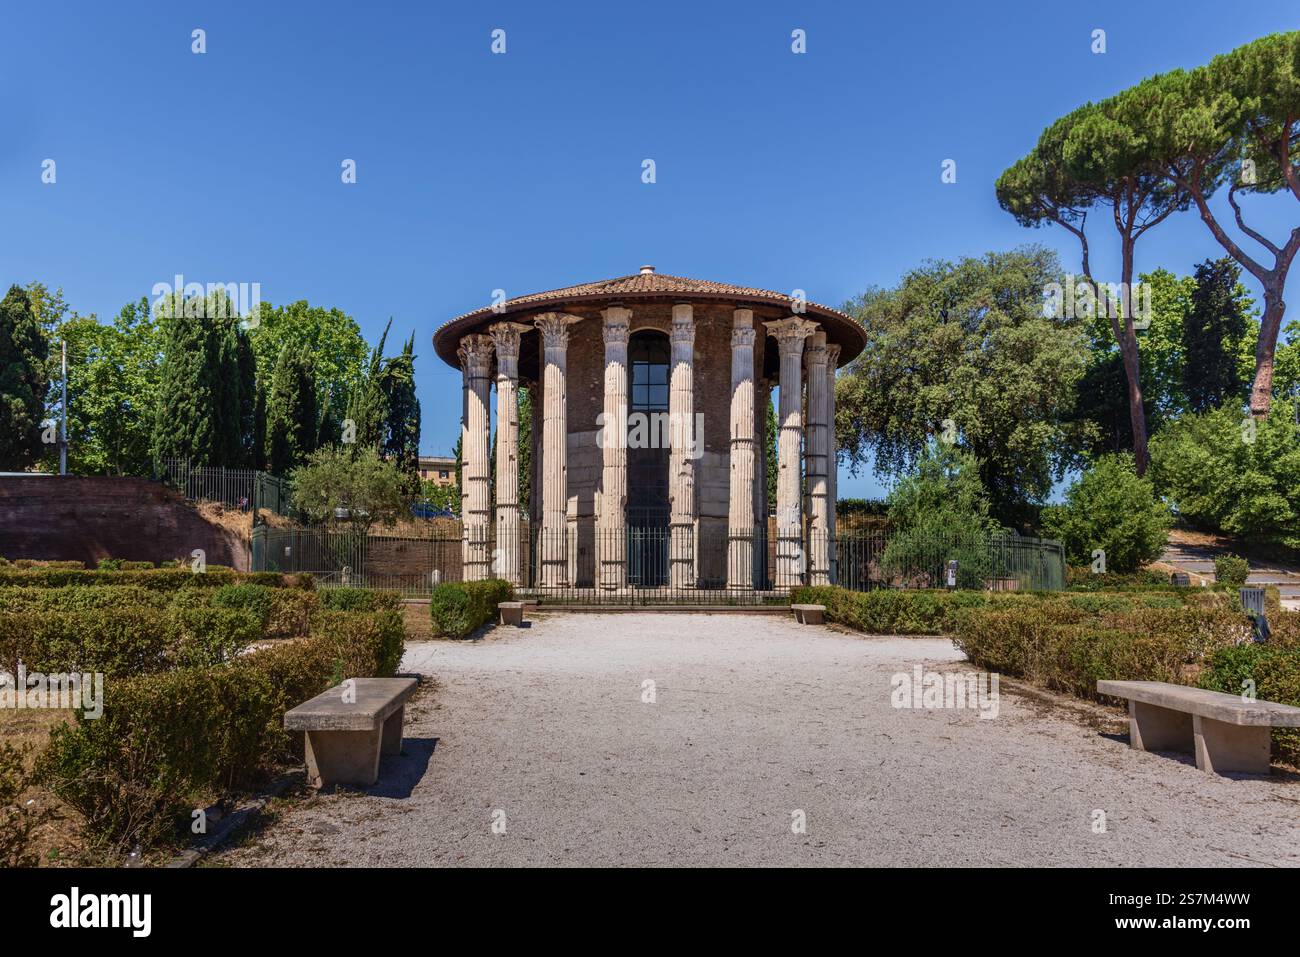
x=1128, y=347
x=1261, y=390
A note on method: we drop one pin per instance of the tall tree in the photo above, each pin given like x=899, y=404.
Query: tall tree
x=1236, y=122
x=525, y=453
x=1213, y=331
x=367, y=407
x=1098, y=157
x=189, y=394
x=24, y=352
x=291, y=420
x=330, y=336
x=401, y=444
x=962, y=352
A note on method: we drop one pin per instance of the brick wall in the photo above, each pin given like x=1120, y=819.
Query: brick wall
x=86, y=519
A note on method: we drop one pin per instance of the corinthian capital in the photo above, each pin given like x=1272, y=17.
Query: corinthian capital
x=790, y=333
x=617, y=325
x=554, y=327
x=505, y=336
x=683, y=324
x=475, y=353
x=742, y=338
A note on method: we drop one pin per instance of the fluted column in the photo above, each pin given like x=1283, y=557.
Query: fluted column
x=740, y=504
x=815, y=445
x=681, y=467
x=611, y=523
x=554, y=327
x=506, y=559
x=790, y=334
x=475, y=353
x=832, y=463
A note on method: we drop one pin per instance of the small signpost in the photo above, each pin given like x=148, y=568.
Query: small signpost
x=952, y=573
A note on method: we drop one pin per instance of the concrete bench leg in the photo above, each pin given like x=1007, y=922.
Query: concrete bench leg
x=343, y=757
x=1231, y=747
x=1151, y=728
x=393, y=732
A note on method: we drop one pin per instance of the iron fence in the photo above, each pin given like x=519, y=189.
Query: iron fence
x=648, y=565
x=244, y=489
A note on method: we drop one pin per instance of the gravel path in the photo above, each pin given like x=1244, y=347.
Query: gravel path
x=754, y=718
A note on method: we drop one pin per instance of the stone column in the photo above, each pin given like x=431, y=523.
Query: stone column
x=554, y=327
x=476, y=509
x=740, y=504
x=506, y=559
x=681, y=467
x=815, y=445
x=832, y=463
x=790, y=334
x=611, y=523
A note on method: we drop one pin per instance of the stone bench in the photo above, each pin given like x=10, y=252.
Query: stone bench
x=809, y=614
x=1225, y=733
x=345, y=738
x=512, y=612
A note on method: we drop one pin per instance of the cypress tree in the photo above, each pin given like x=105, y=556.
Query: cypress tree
x=1212, y=337
x=402, y=440
x=24, y=351
x=291, y=421
x=189, y=394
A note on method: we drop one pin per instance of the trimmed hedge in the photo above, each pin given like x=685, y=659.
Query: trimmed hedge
x=167, y=742
x=1275, y=669
x=122, y=642
x=359, y=599
x=460, y=608
x=165, y=579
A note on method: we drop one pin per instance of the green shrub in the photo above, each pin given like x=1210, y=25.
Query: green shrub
x=122, y=642
x=1274, y=669
x=162, y=579
x=899, y=611
x=1061, y=646
x=1205, y=467
x=168, y=743
x=1111, y=509
x=1230, y=570
x=251, y=598
x=459, y=608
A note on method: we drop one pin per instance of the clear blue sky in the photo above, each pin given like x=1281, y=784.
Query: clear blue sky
x=523, y=171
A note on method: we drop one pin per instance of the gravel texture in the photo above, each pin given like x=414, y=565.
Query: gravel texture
x=755, y=718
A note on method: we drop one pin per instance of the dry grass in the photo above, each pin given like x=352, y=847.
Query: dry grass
x=61, y=840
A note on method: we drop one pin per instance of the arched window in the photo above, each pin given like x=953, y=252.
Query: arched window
x=648, y=354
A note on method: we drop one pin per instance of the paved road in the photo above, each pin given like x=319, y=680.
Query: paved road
x=757, y=723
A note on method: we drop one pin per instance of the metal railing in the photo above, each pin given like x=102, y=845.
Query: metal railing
x=647, y=565
x=244, y=489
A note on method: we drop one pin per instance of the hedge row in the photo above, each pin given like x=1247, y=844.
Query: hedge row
x=1064, y=647
x=122, y=642
x=165, y=579
x=168, y=743
x=460, y=608
x=935, y=612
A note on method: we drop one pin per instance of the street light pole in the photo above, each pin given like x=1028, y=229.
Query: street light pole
x=63, y=441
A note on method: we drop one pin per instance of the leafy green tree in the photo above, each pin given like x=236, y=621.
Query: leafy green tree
x=24, y=352
x=368, y=402
x=963, y=351
x=114, y=372
x=330, y=336
x=1111, y=509
x=291, y=421
x=441, y=496
x=349, y=489
x=1235, y=122
x=939, y=512
x=1216, y=325
x=769, y=448
x=1232, y=473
